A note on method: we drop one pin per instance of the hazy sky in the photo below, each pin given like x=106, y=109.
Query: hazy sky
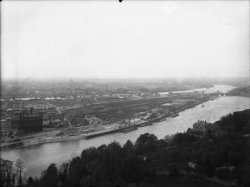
x=142, y=39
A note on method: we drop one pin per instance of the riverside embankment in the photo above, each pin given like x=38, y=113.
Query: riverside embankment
x=52, y=138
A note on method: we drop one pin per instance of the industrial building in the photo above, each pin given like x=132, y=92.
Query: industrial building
x=31, y=121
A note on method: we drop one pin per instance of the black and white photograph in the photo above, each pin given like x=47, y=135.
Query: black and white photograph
x=123, y=93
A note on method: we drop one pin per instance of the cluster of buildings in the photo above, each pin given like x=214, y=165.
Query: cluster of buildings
x=92, y=124
x=31, y=120
x=30, y=117
x=76, y=131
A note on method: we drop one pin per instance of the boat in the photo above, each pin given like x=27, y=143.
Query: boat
x=163, y=118
x=100, y=133
x=12, y=146
x=146, y=123
x=128, y=129
x=174, y=115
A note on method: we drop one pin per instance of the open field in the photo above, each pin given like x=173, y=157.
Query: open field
x=115, y=111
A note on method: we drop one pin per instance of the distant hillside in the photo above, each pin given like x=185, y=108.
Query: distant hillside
x=242, y=91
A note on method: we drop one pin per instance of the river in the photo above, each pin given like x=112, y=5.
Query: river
x=215, y=88
x=37, y=158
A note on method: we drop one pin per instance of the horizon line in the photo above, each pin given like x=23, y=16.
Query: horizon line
x=121, y=78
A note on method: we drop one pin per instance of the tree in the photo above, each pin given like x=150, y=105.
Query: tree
x=217, y=158
x=129, y=147
x=63, y=171
x=205, y=160
x=146, y=143
x=173, y=170
x=145, y=185
x=184, y=138
x=19, y=165
x=133, y=169
x=234, y=157
x=6, y=172
x=30, y=181
x=75, y=167
x=50, y=176
x=206, y=163
x=88, y=181
x=244, y=178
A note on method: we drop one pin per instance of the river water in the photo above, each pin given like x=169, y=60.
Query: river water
x=214, y=89
x=37, y=158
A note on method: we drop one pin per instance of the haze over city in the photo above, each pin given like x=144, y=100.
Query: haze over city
x=125, y=94
x=127, y=40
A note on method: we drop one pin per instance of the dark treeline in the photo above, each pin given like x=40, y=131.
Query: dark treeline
x=107, y=165
x=138, y=164
x=241, y=91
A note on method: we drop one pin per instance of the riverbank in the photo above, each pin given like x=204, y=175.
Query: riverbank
x=45, y=140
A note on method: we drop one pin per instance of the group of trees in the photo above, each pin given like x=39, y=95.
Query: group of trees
x=235, y=122
x=241, y=91
x=184, y=138
x=231, y=148
x=108, y=165
x=11, y=174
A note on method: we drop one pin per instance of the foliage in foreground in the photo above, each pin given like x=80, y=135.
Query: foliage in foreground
x=137, y=164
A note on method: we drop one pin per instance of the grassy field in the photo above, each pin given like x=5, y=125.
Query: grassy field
x=114, y=111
